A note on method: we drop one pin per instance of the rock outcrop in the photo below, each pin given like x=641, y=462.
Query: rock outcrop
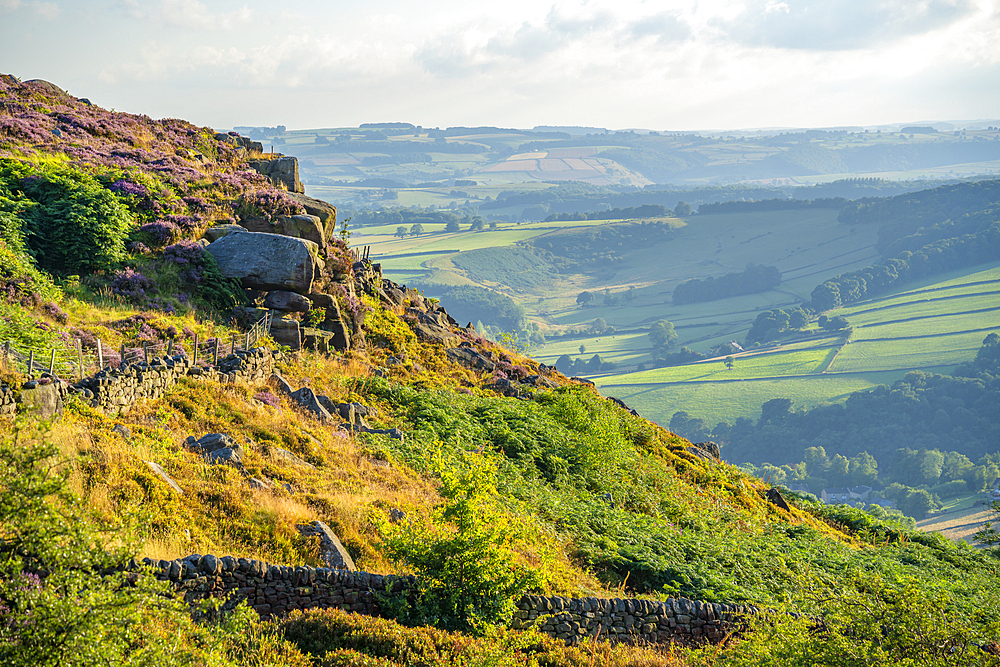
x=308, y=227
x=267, y=261
x=283, y=171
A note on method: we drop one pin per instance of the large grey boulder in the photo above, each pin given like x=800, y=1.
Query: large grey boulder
x=287, y=301
x=307, y=227
x=267, y=261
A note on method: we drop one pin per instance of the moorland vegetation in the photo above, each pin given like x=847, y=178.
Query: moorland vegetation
x=522, y=485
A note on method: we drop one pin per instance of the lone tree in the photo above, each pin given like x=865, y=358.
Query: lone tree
x=682, y=209
x=452, y=226
x=400, y=232
x=417, y=228
x=662, y=335
x=585, y=298
x=729, y=362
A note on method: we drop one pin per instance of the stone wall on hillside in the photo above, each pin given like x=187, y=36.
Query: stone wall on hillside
x=117, y=390
x=274, y=590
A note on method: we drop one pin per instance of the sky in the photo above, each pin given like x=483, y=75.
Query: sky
x=710, y=64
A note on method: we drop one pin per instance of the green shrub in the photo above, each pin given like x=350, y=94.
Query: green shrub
x=73, y=225
x=469, y=576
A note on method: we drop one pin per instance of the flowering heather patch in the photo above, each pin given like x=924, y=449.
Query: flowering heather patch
x=339, y=259
x=196, y=203
x=139, y=248
x=162, y=305
x=267, y=398
x=87, y=340
x=267, y=204
x=131, y=284
x=348, y=302
x=160, y=232
x=178, y=153
x=138, y=328
x=55, y=312
x=186, y=222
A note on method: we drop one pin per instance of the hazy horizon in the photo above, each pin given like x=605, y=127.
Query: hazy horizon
x=672, y=66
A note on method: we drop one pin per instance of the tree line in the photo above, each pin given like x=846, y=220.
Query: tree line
x=755, y=278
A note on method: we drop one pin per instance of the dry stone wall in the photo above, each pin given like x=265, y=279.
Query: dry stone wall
x=274, y=590
x=117, y=390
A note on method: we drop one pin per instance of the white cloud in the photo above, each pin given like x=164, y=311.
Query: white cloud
x=9, y=5
x=192, y=14
x=48, y=10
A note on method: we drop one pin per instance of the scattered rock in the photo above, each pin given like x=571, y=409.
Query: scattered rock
x=124, y=432
x=225, y=456
x=621, y=404
x=307, y=398
x=281, y=171
x=307, y=227
x=332, y=551
x=289, y=457
x=775, y=497
x=162, y=474
x=210, y=442
x=287, y=331
x=287, y=301
x=279, y=384
x=258, y=484
x=215, y=233
x=396, y=515
x=465, y=355
x=267, y=261
x=327, y=213
x=706, y=450
x=44, y=400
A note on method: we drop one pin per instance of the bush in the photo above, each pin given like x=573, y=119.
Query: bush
x=73, y=224
x=468, y=575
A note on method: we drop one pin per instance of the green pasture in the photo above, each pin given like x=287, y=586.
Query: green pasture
x=728, y=401
x=938, y=337
x=623, y=347
x=765, y=365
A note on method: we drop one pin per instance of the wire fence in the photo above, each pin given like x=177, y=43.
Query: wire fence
x=67, y=363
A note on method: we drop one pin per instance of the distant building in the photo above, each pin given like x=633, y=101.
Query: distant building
x=835, y=496
x=859, y=492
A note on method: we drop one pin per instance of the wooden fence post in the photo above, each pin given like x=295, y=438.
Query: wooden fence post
x=52, y=362
x=194, y=362
x=79, y=349
x=170, y=347
x=31, y=362
x=215, y=361
x=145, y=352
x=232, y=348
x=100, y=356
x=247, y=345
x=121, y=359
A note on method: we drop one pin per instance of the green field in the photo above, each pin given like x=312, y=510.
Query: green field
x=913, y=334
